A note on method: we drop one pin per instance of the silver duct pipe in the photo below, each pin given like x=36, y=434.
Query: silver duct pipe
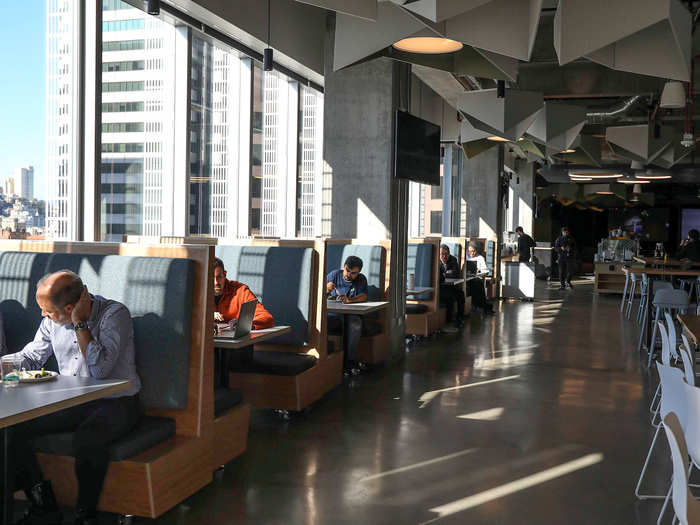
x=600, y=117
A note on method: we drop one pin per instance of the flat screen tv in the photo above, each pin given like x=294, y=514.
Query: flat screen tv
x=690, y=220
x=417, y=149
x=645, y=224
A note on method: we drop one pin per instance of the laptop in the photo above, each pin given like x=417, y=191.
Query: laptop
x=471, y=268
x=245, y=321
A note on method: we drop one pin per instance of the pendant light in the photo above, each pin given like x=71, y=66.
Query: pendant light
x=267, y=53
x=153, y=7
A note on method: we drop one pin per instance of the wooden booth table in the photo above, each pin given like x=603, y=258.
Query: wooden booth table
x=337, y=307
x=29, y=401
x=418, y=290
x=669, y=263
x=654, y=273
x=254, y=337
x=691, y=326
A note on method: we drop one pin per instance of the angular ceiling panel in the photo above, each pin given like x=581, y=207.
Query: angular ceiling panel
x=507, y=117
x=558, y=125
x=649, y=37
x=439, y=10
x=361, y=8
x=638, y=142
x=507, y=27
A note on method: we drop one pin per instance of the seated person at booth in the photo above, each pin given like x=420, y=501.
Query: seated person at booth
x=690, y=247
x=475, y=285
x=229, y=296
x=90, y=336
x=348, y=285
x=449, y=295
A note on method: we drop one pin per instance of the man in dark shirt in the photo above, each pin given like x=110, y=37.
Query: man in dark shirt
x=525, y=244
x=449, y=295
x=565, y=246
x=348, y=285
x=690, y=247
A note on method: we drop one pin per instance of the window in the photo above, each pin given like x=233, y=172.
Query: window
x=121, y=107
x=137, y=171
x=122, y=25
x=436, y=191
x=122, y=127
x=111, y=87
x=124, y=65
x=310, y=163
x=436, y=222
x=123, y=45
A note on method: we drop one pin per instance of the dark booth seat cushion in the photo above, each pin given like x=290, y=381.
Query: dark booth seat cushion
x=225, y=399
x=278, y=363
x=413, y=309
x=147, y=433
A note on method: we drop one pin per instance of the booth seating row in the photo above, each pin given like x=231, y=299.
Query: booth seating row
x=182, y=437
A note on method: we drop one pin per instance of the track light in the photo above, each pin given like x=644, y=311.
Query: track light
x=501, y=89
x=153, y=7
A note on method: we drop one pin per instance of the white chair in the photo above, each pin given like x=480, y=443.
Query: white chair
x=688, y=366
x=666, y=300
x=672, y=400
x=685, y=506
x=666, y=360
x=672, y=335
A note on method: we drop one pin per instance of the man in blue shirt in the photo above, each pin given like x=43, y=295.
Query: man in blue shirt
x=348, y=285
x=90, y=336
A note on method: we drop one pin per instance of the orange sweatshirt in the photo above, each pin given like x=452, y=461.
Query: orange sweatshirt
x=235, y=294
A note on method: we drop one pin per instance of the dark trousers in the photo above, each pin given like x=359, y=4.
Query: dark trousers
x=449, y=296
x=351, y=328
x=523, y=258
x=566, y=270
x=94, y=425
x=477, y=292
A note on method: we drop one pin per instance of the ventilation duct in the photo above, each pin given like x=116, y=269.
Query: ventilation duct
x=614, y=113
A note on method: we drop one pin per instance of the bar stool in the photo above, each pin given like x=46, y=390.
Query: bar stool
x=624, y=293
x=633, y=288
x=666, y=300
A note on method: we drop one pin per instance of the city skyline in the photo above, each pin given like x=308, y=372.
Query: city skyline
x=23, y=124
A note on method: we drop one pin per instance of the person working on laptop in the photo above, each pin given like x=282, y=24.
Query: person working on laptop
x=229, y=296
x=475, y=284
x=348, y=285
x=449, y=295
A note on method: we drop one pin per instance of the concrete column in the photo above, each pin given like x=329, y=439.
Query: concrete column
x=365, y=200
x=480, y=190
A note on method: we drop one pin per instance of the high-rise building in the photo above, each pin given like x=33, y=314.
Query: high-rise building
x=23, y=179
x=62, y=21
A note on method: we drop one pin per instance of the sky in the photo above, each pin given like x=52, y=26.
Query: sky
x=22, y=89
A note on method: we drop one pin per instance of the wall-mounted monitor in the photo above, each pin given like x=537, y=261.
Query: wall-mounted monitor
x=417, y=149
x=690, y=219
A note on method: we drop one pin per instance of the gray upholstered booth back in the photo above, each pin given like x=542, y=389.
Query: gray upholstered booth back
x=455, y=249
x=371, y=264
x=420, y=262
x=157, y=291
x=281, y=277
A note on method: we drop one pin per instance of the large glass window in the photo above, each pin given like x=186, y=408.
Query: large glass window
x=137, y=176
x=309, y=184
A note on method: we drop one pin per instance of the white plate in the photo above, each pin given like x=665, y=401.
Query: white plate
x=52, y=375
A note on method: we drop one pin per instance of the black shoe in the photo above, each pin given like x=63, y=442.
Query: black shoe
x=85, y=517
x=43, y=509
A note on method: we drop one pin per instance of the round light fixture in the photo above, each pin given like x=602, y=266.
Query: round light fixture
x=496, y=138
x=568, y=151
x=634, y=181
x=597, y=175
x=428, y=45
x=580, y=179
x=604, y=193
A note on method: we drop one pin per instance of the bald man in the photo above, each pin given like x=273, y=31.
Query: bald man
x=91, y=337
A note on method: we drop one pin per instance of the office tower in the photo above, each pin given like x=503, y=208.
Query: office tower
x=24, y=182
x=62, y=19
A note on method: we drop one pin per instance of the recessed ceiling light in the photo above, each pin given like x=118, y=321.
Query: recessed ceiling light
x=604, y=193
x=568, y=151
x=496, y=138
x=428, y=45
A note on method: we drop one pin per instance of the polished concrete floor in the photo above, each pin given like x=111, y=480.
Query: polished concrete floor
x=536, y=415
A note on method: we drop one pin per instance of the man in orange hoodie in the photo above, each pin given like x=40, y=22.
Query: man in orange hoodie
x=230, y=296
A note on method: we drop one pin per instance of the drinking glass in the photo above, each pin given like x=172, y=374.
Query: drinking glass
x=10, y=367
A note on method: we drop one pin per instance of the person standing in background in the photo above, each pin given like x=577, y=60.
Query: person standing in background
x=565, y=246
x=525, y=244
